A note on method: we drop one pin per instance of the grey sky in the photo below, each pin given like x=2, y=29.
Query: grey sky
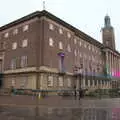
x=86, y=15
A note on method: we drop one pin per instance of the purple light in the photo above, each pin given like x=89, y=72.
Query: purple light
x=61, y=54
x=116, y=74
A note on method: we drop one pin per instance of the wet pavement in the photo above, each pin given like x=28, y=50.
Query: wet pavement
x=56, y=107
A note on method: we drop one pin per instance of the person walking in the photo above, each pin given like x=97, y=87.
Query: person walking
x=75, y=93
x=80, y=93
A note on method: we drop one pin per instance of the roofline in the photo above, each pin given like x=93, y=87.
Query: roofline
x=74, y=29
x=53, y=17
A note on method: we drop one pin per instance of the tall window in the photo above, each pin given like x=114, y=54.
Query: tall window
x=50, y=81
x=51, y=42
x=60, y=81
x=60, y=45
x=25, y=43
x=69, y=48
x=68, y=35
x=60, y=31
x=80, y=43
x=75, y=52
x=25, y=28
x=13, y=82
x=13, y=63
x=51, y=27
x=23, y=82
x=14, y=45
x=23, y=61
x=69, y=82
x=75, y=41
x=6, y=35
x=15, y=31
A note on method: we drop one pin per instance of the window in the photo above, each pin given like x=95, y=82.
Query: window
x=51, y=42
x=75, y=41
x=93, y=48
x=6, y=35
x=13, y=82
x=80, y=55
x=15, y=31
x=60, y=31
x=85, y=45
x=50, y=81
x=25, y=43
x=14, y=45
x=25, y=28
x=60, y=81
x=60, y=45
x=69, y=48
x=80, y=43
x=51, y=27
x=75, y=52
x=69, y=82
x=23, y=61
x=68, y=35
x=89, y=47
x=23, y=82
x=13, y=64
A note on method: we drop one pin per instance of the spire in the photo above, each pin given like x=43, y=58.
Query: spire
x=107, y=21
x=43, y=4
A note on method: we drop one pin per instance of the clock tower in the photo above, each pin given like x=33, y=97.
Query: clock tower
x=108, y=33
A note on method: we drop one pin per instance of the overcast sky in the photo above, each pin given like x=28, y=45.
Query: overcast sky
x=86, y=15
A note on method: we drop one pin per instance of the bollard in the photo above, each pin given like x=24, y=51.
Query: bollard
x=39, y=95
x=33, y=96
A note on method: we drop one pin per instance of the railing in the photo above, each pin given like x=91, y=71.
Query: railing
x=98, y=93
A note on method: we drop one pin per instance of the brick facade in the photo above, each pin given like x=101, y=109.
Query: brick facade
x=47, y=36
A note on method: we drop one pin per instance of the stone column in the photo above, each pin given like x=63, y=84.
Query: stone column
x=93, y=83
x=78, y=83
x=107, y=60
x=112, y=61
x=109, y=54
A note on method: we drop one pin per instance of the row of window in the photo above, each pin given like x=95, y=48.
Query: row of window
x=23, y=62
x=76, y=40
x=50, y=81
x=51, y=43
x=86, y=82
x=51, y=27
x=15, y=31
x=23, y=82
x=76, y=52
x=24, y=44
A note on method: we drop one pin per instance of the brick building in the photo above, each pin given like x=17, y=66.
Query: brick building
x=44, y=52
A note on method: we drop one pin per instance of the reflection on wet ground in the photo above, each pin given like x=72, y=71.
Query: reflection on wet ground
x=54, y=108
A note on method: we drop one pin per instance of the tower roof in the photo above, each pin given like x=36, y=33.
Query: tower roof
x=107, y=21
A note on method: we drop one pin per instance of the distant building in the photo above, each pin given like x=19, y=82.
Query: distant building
x=41, y=51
